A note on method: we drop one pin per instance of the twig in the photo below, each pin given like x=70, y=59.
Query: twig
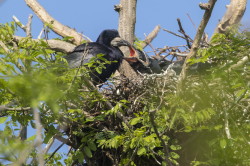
x=26, y=28
x=59, y=147
x=18, y=22
x=184, y=33
x=165, y=148
x=192, y=21
x=152, y=47
x=174, y=33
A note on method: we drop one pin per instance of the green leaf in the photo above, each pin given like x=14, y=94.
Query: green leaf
x=141, y=151
x=32, y=138
x=175, y=147
x=87, y=151
x=174, y=155
x=134, y=121
x=223, y=143
x=92, y=145
x=99, y=70
x=3, y=119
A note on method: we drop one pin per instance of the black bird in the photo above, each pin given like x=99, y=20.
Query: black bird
x=107, y=44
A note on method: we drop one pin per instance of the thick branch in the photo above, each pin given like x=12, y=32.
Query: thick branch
x=57, y=27
x=233, y=15
x=126, y=28
x=197, y=40
x=53, y=44
x=127, y=19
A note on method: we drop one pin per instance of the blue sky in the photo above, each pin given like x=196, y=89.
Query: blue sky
x=92, y=16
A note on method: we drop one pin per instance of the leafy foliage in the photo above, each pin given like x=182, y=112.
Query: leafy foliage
x=207, y=123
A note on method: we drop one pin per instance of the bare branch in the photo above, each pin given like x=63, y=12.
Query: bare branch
x=174, y=33
x=26, y=28
x=197, y=41
x=18, y=22
x=234, y=13
x=59, y=147
x=53, y=44
x=187, y=38
x=151, y=36
x=57, y=27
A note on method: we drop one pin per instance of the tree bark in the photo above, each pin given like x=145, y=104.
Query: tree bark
x=126, y=28
x=234, y=13
x=127, y=19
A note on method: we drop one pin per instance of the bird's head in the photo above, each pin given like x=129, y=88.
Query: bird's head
x=118, y=42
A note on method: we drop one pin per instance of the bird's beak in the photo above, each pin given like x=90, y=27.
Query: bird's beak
x=133, y=56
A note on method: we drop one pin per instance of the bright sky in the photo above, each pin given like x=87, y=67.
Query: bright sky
x=92, y=16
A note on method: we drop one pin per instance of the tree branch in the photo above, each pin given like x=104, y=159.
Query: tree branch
x=234, y=13
x=126, y=28
x=57, y=27
x=127, y=19
x=197, y=41
x=53, y=44
x=5, y=48
x=151, y=36
x=39, y=139
x=240, y=63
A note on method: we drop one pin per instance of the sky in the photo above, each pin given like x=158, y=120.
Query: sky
x=90, y=17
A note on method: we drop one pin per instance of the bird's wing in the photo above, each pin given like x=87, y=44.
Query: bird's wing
x=84, y=52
